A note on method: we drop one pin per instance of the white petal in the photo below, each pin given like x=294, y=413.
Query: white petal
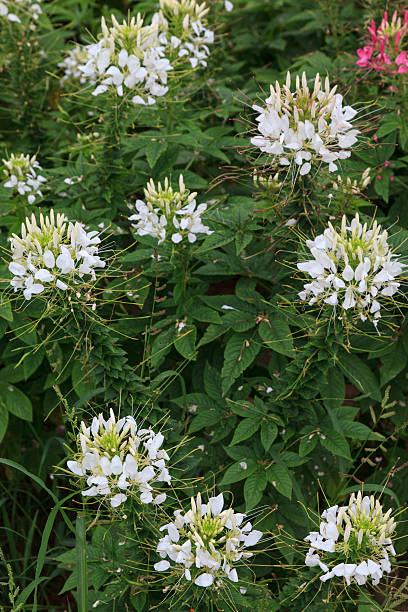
x=204, y=580
x=118, y=499
x=161, y=566
x=75, y=467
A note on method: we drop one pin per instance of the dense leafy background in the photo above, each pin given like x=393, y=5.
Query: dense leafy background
x=311, y=412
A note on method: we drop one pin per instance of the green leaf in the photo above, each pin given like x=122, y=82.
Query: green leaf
x=16, y=401
x=276, y=335
x=335, y=443
x=392, y=364
x=82, y=379
x=138, y=601
x=246, y=428
x=239, y=353
x=279, y=475
x=153, y=151
x=212, y=382
x=204, y=418
x=214, y=241
x=360, y=374
x=27, y=365
x=334, y=391
x=236, y=472
x=185, y=343
x=203, y=313
x=3, y=420
x=5, y=308
x=253, y=489
x=358, y=431
x=269, y=431
x=307, y=445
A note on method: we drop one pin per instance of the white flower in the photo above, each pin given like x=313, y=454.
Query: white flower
x=4, y=12
x=352, y=268
x=191, y=40
x=71, y=67
x=54, y=252
x=129, y=58
x=228, y=6
x=30, y=9
x=354, y=542
x=118, y=459
x=23, y=178
x=206, y=542
x=169, y=213
x=304, y=128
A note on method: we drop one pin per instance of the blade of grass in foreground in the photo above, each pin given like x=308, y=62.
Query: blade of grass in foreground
x=80, y=545
x=33, y=586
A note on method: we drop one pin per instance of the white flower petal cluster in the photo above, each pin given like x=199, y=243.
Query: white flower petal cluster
x=135, y=58
x=51, y=254
x=130, y=59
x=304, y=128
x=118, y=459
x=71, y=66
x=30, y=8
x=205, y=542
x=183, y=30
x=352, y=268
x=22, y=172
x=169, y=213
x=354, y=541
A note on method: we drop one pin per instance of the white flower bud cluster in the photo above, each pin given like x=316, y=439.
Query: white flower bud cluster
x=130, y=59
x=71, y=66
x=182, y=23
x=354, y=541
x=22, y=176
x=168, y=212
x=303, y=127
x=349, y=187
x=52, y=254
x=117, y=460
x=205, y=542
x=353, y=268
x=270, y=183
x=30, y=8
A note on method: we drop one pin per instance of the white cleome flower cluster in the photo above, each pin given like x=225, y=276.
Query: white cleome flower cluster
x=169, y=213
x=130, y=59
x=205, y=542
x=22, y=172
x=182, y=30
x=353, y=268
x=305, y=128
x=52, y=254
x=134, y=58
x=72, y=65
x=117, y=459
x=354, y=542
x=20, y=9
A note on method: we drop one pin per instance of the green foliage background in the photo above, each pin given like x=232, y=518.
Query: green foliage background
x=312, y=411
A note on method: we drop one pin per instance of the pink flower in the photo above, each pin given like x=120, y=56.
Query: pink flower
x=382, y=53
x=402, y=61
x=373, y=31
x=365, y=55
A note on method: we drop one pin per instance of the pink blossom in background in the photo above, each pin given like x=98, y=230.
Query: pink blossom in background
x=383, y=53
